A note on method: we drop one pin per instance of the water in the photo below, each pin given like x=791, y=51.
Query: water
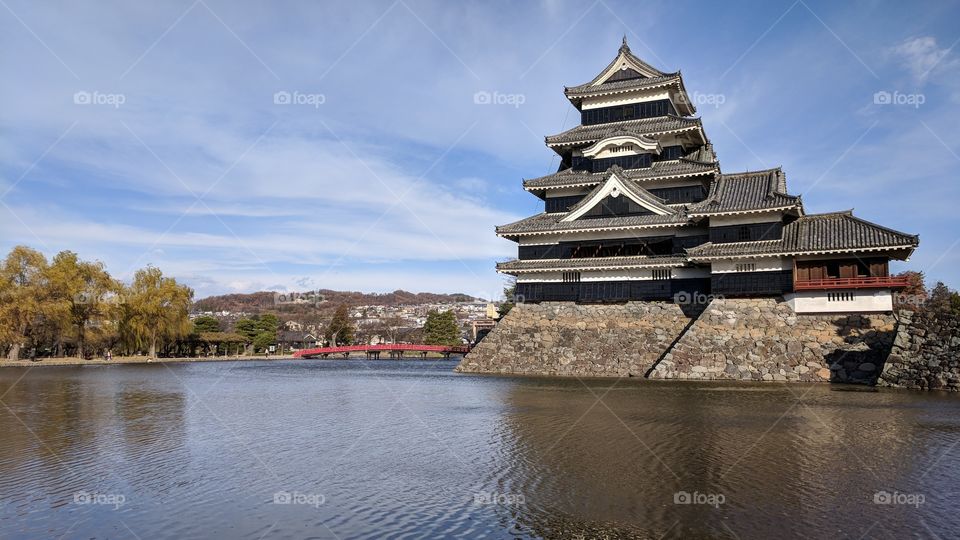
x=388, y=449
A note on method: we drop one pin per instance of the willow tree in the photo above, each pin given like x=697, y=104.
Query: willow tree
x=23, y=297
x=83, y=296
x=157, y=308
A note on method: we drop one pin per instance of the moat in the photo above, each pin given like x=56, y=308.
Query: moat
x=370, y=449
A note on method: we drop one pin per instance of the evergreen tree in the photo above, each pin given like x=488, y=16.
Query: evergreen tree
x=509, y=295
x=269, y=323
x=248, y=328
x=263, y=341
x=206, y=323
x=340, y=330
x=441, y=329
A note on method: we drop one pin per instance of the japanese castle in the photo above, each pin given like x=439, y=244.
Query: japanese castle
x=640, y=210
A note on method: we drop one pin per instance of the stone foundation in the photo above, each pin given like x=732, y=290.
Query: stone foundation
x=758, y=339
x=926, y=353
x=564, y=338
x=762, y=339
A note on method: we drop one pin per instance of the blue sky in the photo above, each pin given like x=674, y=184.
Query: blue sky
x=149, y=133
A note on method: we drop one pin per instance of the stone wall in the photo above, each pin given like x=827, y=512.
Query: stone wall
x=762, y=339
x=564, y=338
x=758, y=339
x=926, y=353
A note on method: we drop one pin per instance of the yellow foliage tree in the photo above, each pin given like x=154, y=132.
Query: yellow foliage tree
x=156, y=308
x=82, y=294
x=23, y=297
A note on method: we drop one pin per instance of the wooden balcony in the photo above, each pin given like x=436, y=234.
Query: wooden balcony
x=885, y=282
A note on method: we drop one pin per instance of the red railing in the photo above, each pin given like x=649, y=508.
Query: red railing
x=400, y=347
x=887, y=282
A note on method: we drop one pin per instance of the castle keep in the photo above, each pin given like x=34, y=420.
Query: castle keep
x=641, y=210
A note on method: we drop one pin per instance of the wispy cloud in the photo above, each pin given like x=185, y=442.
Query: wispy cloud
x=308, y=191
x=920, y=56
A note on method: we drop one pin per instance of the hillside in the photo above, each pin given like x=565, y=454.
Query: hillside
x=305, y=302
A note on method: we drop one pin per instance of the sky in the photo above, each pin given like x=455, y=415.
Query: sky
x=288, y=146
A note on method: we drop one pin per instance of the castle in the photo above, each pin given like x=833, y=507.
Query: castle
x=640, y=210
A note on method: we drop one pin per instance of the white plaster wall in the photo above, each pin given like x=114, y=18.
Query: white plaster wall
x=864, y=300
x=671, y=182
x=745, y=219
x=534, y=241
x=625, y=99
x=564, y=192
x=608, y=152
x=763, y=265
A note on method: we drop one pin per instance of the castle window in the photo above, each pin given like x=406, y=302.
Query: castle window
x=840, y=297
x=662, y=273
x=747, y=267
x=571, y=277
x=743, y=233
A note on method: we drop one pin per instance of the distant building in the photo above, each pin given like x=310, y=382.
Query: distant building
x=640, y=210
x=290, y=339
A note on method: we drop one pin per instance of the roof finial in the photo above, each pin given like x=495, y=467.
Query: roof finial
x=624, y=45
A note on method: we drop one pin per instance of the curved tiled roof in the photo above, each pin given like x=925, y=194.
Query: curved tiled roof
x=660, y=169
x=623, y=85
x=747, y=192
x=644, y=126
x=816, y=233
x=546, y=223
x=590, y=263
x=628, y=54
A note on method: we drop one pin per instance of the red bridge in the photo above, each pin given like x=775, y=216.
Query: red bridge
x=373, y=351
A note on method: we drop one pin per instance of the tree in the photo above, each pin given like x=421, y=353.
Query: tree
x=23, y=297
x=509, y=295
x=263, y=341
x=268, y=322
x=223, y=341
x=159, y=307
x=441, y=329
x=340, y=330
x=914, y=294
x=248, y=328
x=206, y=323
x=81, y=294
x=389, y=328
x=942, y=300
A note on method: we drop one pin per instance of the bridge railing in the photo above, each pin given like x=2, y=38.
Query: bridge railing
x=399, y=347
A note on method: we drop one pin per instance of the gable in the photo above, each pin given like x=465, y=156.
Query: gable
x=625, y=74
x=624, y=67
x=615, y=198
x=611, y=206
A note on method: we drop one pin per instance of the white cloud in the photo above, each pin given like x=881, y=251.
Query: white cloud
x=920, y=56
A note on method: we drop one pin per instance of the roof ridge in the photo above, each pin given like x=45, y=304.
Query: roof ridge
x=837, y=213
x=756, y=172
x=849, y=214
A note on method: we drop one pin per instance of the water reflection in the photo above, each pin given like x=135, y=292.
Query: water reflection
x=409, y=449
x=148, y=417
x=761, y=460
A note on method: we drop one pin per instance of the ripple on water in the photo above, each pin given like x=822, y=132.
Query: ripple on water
x=410, y=450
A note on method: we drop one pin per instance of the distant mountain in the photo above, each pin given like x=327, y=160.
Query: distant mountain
x=323, y=300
